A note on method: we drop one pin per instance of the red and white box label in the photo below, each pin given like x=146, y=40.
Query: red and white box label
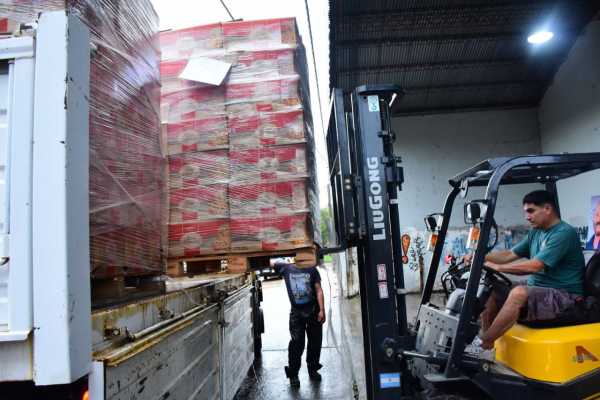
x=257, y=165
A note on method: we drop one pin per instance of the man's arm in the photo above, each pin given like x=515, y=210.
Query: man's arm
x=500, y=262
x=501, y=257
x=278, y=266
x=522, y=268
x=321, y=300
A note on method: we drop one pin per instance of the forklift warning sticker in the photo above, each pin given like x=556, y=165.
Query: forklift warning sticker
x=389, y=380
x=381, y=275
x=373, y=104
x=383, y=292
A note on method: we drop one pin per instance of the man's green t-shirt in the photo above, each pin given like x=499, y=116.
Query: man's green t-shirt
x=560, y=249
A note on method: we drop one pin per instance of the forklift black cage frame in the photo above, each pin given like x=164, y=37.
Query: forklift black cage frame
x=492, y=173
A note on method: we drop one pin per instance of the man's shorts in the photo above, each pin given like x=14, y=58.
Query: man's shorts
x=542, y=302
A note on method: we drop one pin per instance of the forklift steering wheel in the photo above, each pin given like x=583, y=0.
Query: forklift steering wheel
x=502, y=278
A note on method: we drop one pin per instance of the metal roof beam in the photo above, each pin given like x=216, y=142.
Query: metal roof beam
x=436, y=40
x=429, y=40
x=466, y=108
x=477, y=15
x=473, y=87
x=506, y=62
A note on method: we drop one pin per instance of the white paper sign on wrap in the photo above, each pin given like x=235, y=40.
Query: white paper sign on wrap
x=205, y=70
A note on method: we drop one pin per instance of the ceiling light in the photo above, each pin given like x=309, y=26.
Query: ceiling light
x=540, y=37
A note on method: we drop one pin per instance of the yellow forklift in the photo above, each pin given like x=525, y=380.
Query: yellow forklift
x=557, y=359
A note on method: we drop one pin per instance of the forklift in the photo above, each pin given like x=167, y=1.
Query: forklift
x=556, y=359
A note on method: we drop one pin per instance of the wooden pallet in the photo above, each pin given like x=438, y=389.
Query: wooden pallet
x=123, y=288
x=238, y=262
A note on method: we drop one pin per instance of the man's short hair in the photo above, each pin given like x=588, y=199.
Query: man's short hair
x=540, y=198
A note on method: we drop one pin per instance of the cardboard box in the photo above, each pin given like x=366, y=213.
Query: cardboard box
x=183, y=43
x=263, y=34
x=262, y=65
x=8, y=25
x=264, y=93
x=269, y=233
x=199, y=135
x=199, y=204
x=198, y=169
x=122, y=251
x=193, y=104
x=247, y=109
x=265, y=164
x=269, y=129
x=199, y=238
x=268, y=199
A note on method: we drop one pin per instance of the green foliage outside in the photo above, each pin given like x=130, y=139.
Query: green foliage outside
x=324, y=231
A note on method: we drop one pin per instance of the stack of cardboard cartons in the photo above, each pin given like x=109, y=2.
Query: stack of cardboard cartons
x=127, y=164
x=241, y=154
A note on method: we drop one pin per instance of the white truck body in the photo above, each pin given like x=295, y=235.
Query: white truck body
x=185, y=344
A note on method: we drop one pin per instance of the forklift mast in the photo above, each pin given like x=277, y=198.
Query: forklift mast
x=366, y=180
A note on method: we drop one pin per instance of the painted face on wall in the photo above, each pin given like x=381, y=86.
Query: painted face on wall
x=597, y=220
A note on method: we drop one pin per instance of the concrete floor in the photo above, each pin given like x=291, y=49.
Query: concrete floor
x=267, y=379
x=342, y=355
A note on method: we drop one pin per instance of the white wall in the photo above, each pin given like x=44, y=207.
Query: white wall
x=434, y=148
x=569, y=120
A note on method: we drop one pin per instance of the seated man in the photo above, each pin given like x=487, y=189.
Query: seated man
x=555, y=268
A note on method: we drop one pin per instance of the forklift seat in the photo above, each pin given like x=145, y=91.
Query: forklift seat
x=566, y=351
x=585, y=311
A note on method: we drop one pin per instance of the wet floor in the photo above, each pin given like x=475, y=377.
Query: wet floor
x=267, y=379
x=342, y=354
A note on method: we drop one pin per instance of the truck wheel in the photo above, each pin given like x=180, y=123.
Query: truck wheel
x=257, y=345
x=261, y=323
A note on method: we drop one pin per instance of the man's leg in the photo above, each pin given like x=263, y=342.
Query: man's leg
x=490, y=313
x=496, y=301
x=314, y=332
x=506, y=318
x=296, y=346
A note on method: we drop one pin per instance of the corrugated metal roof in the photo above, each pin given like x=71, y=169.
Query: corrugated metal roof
x=453, y=55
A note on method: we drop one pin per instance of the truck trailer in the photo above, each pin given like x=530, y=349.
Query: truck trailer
x=194, y=341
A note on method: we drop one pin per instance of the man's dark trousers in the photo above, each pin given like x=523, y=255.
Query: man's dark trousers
x=305, y=319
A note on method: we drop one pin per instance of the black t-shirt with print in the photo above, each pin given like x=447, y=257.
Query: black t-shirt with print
x=300, y=283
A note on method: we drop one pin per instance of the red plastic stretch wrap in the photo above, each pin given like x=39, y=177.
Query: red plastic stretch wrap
x=127, y=162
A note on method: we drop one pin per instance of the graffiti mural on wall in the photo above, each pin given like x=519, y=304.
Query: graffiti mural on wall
x=416, y=251
x=456, y=244
x=583, y=234
x=506, y=241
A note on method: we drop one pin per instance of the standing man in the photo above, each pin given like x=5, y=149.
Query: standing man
x=594, y=242
x=555, y=267
x=306, y=317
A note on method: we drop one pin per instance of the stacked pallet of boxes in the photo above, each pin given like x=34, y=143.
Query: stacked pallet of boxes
x=127, y=164
x=241, y=154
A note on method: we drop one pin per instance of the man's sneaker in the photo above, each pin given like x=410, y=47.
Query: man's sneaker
x=475, y=350
x=293, y=376
x=294, y=381
x=314, y=376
